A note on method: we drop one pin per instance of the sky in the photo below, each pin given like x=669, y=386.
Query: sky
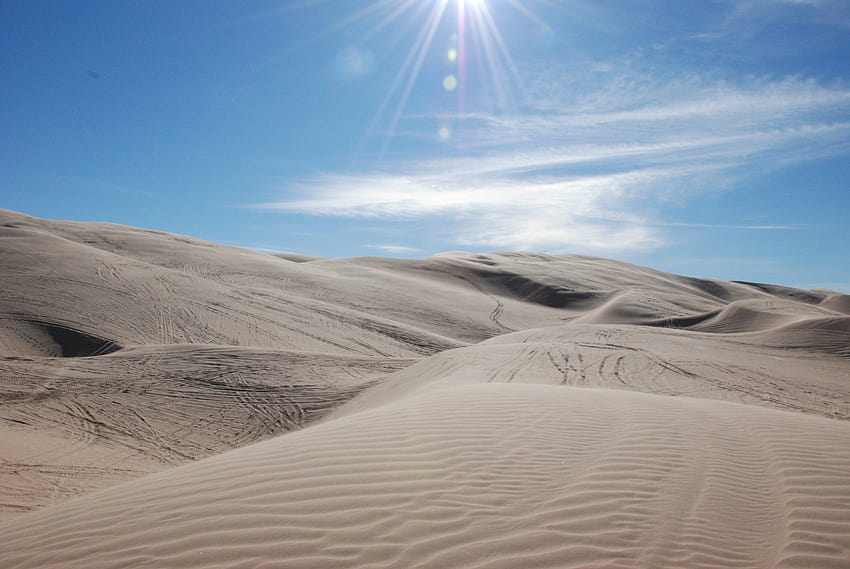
x=708, y=138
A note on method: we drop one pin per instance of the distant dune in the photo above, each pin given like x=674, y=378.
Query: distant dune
x=169, y=402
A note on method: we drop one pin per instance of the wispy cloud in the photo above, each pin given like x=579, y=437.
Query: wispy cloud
x=590, y=171
x=263, y=248
x=841, y=287
x=396, y=249
x=745, y=227
x=748, y=18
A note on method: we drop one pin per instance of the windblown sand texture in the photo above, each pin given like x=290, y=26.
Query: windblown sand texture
x=503, y=410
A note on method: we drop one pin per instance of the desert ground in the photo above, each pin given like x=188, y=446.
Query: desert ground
x=170, y=402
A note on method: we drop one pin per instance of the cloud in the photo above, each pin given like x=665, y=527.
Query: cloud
x=396, y=249
x=746, y=227
x=493, y=211
x=841, y=287
x=263, y=249
x=748, y=17
x=590, y=172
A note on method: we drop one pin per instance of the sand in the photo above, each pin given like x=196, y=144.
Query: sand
x=168, y=402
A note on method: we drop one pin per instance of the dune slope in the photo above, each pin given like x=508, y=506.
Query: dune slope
x=484, y=475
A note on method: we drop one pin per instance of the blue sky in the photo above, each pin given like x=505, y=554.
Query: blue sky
x=709, y=138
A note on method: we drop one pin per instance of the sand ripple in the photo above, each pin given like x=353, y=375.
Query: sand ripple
x=483, y=476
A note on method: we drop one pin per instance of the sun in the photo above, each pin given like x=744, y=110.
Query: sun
x=478, y=55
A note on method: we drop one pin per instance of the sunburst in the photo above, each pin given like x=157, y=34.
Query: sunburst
x=476, y=48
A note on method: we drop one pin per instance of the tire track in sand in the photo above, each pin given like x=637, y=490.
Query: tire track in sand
x=497, y=312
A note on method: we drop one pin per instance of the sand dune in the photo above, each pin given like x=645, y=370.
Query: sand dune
x=483, y=476
x=72, y=425
x=466, y=410
x=837, y=302
x=740, y=367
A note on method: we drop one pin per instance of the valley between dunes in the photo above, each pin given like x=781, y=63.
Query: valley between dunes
x=170, y=402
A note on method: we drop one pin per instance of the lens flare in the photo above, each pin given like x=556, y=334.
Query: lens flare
x=481, y=65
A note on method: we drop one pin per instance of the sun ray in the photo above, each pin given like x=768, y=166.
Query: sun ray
x=528, y=13
x=396, y=13
x=500, y=66
x=502, y=46
x=493, y=77
x=430, y=31
x=346, y=22
x=412, y=63
x=484, y=68
x=462, y=69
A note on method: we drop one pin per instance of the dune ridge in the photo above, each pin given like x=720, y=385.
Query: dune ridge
x=170, y=402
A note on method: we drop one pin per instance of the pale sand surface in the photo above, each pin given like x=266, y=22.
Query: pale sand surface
x=485, y=475
x=126, y=352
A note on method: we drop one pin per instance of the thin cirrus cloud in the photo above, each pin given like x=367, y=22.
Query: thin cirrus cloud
x=592, y=173
x=396, y=249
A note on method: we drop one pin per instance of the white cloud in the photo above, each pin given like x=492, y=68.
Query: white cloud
x=748, y=227
x=543, y=214
x=748, y=16
x=843, y=288
x=396, y=249
x=589, y=173
x=263, y=249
